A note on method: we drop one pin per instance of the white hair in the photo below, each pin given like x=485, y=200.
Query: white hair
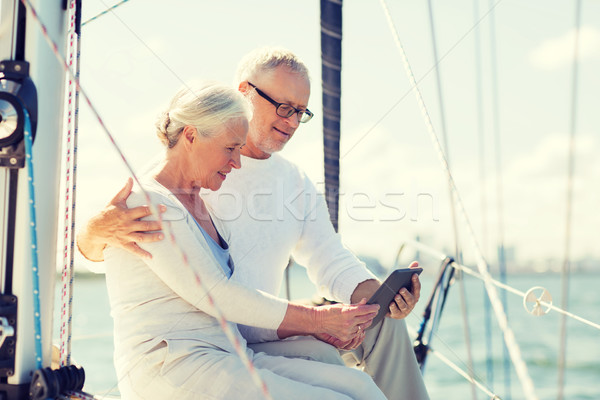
x=266, y=59
x=207, y=107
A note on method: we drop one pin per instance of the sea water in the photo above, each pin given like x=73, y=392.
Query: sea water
x=538, y=337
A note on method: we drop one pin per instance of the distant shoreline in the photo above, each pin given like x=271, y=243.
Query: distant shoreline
x=84, y=274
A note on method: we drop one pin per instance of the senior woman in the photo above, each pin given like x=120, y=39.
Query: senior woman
x=168, y=343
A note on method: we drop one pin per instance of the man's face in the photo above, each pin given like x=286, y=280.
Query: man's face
x=268, y=131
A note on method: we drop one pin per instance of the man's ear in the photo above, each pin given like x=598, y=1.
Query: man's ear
x=244, y=87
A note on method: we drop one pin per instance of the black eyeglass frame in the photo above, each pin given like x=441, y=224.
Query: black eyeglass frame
x=303, y=115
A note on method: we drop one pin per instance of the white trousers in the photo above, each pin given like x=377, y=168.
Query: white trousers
x=210, y=373
x=386, y=354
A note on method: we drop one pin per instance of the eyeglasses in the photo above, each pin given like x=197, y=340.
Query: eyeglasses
x=285, y=110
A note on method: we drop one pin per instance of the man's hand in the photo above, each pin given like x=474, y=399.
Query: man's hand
x=119, y=226
x=405, y=300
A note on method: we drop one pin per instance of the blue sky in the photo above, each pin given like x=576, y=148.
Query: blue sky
x=392, y=183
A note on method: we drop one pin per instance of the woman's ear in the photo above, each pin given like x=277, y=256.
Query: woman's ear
x=189, y=134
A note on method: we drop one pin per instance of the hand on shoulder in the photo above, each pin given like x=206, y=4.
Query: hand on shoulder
x=119, y=226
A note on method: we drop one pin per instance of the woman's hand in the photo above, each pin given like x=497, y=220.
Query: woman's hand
x=344, y=321
x=340, y=344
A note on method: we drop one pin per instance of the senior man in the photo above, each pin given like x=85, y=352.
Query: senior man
x=273, y=211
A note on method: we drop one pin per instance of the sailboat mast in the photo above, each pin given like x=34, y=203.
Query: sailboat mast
x=23, y=49
x=331, y=72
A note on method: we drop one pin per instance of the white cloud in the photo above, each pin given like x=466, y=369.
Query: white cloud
x=558, y=52
x=535, y=193
x=534, y=201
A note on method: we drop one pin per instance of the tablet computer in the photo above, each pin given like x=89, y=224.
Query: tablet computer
x=400, y=278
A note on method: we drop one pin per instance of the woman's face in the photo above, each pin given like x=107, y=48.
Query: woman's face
x=214, y=157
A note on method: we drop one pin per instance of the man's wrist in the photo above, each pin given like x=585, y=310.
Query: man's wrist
x=365, y=289
x=92, y=251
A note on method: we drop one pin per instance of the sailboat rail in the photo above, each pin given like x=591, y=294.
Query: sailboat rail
x=471, y=377
x=469, y=271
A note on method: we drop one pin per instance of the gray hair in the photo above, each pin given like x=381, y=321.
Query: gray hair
x=207, y=107
x=266, y=59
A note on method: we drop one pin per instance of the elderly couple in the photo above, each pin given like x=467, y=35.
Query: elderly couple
x=168, y=343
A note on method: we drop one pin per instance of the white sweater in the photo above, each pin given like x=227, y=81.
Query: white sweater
x=160, y=299
x=271, y=209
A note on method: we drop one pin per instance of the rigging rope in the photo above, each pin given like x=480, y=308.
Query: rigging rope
x=75, y=395
x=465, y=375
x=513, y=347
x=33, y=238
x=154, y=54
x=569, y=208
x=385, y=114
x=456, y=266
x=439, y=296
x=436, y=302
x=457, y=250
x=218, y=314
x=66, y=331
x=110, y=9
x=499, y=184
x=499, y=284
x=483, y=198
x=468, y=376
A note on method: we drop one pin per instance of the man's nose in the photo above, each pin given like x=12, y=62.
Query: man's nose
x=293, y=120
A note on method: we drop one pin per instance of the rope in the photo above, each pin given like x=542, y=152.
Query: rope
x=219, y=315
x=469, y=271
x=515, y=353
x=499, y=284
x=499, y=184
x=77, y=13
x=386, y=113
x=156, y=56
x=569, y=210
x=438, y=296
x=510, y=289
x=483, y=197
x=465, y=375
x=33, y=238
x=66, y=315
x=468, y=376
x=75, y=141
x=73, y=395
x=110, y=9
x=457, y=251
x=467, y=330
